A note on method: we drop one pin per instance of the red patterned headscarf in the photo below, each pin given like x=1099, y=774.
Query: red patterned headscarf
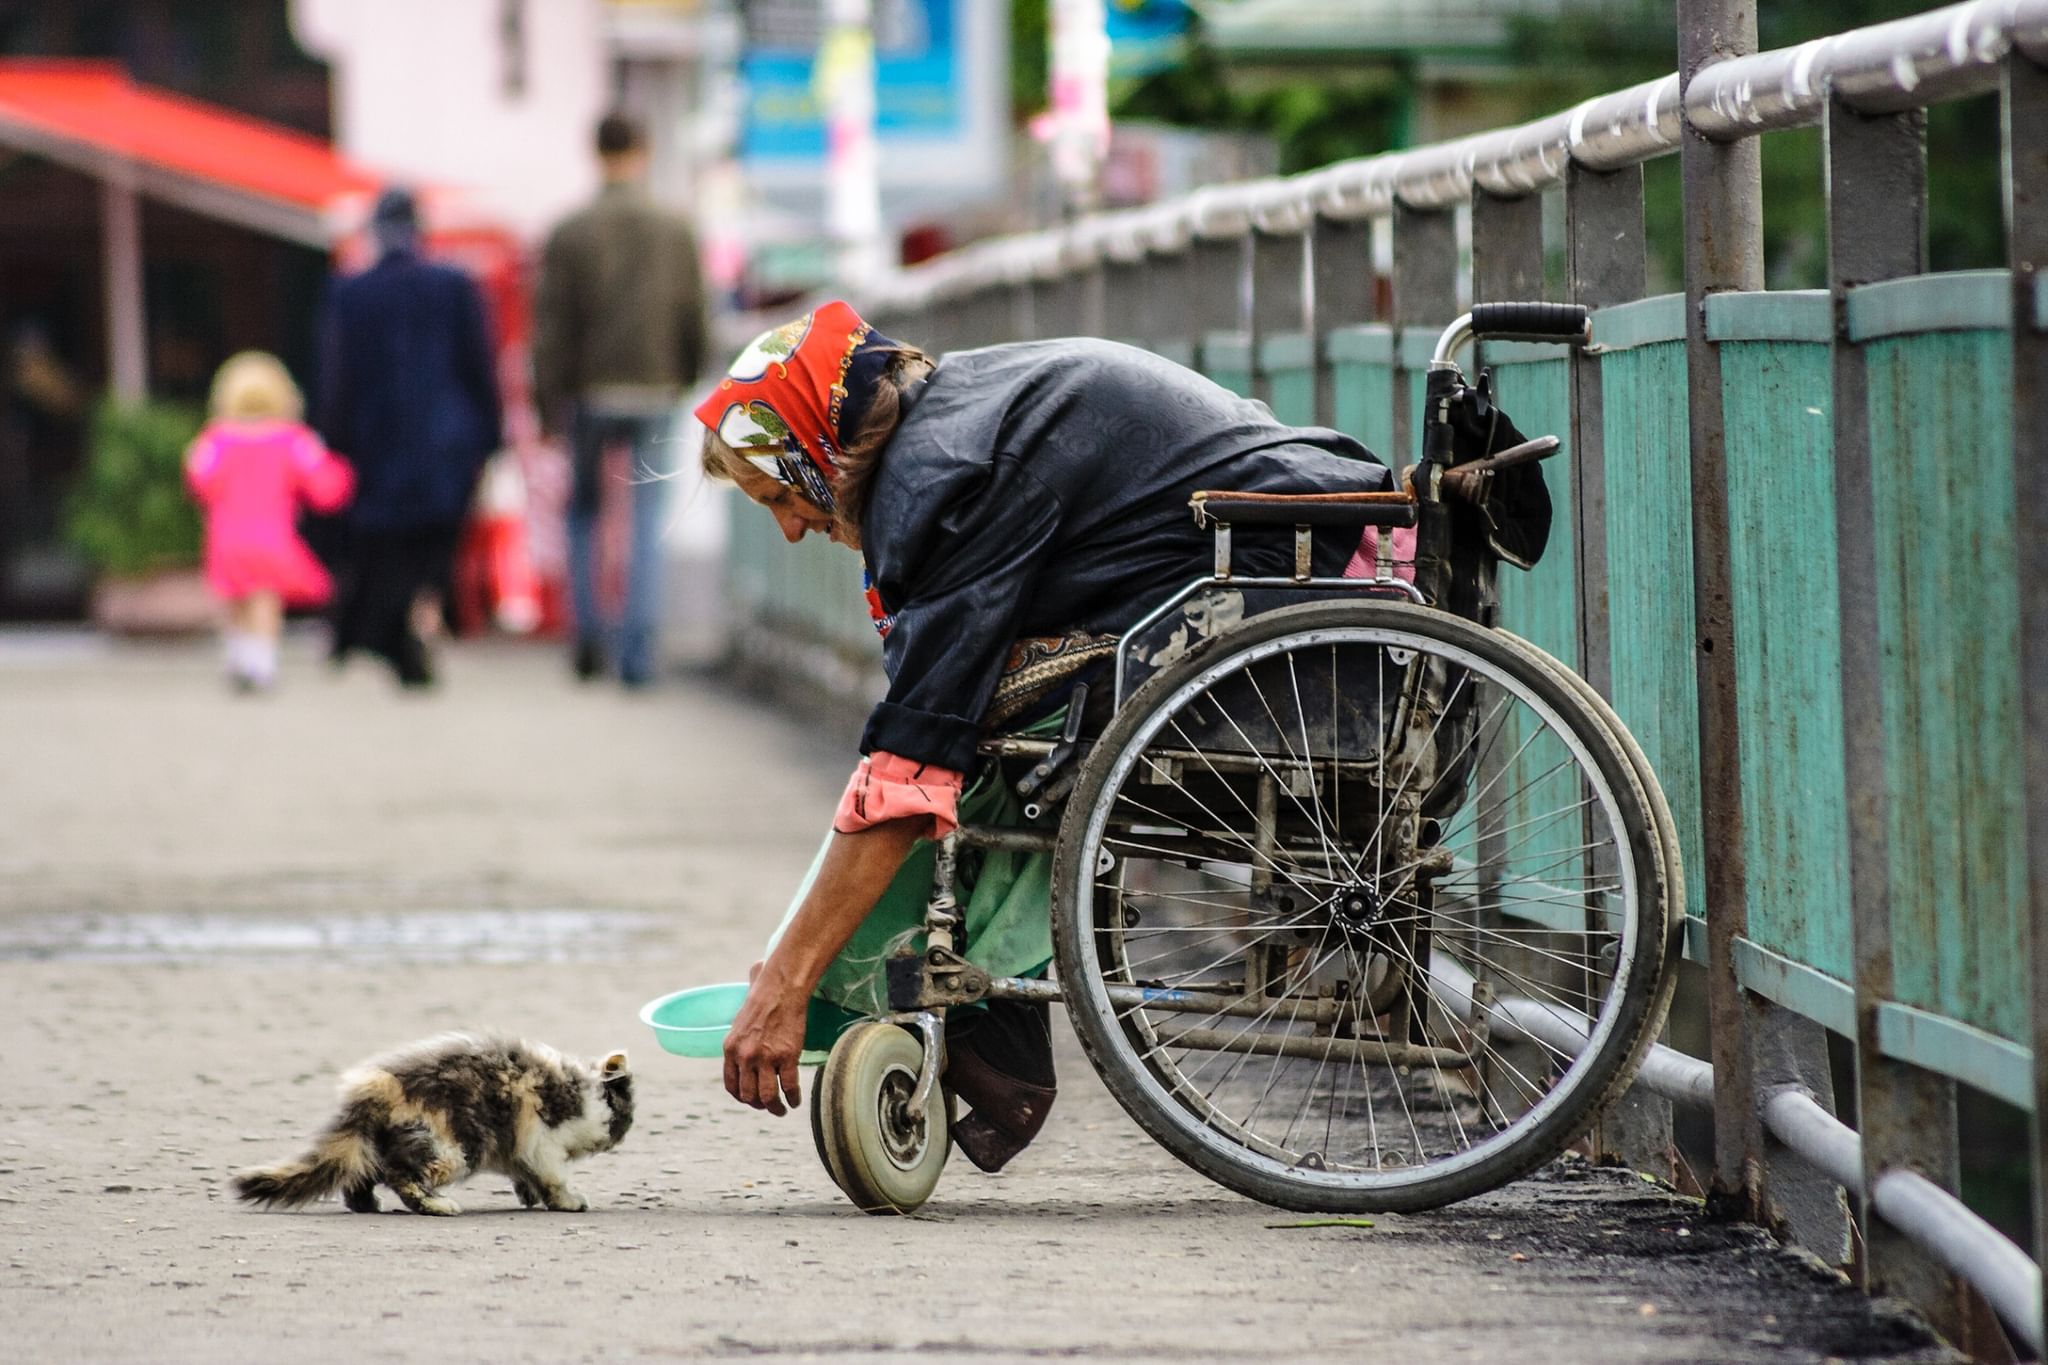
x=796, y=391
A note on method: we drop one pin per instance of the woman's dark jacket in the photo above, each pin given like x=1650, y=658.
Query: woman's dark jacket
x=1042, y=487
x=408, y=391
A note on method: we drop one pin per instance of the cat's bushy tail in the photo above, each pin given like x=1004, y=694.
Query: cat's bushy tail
x=337, y=1159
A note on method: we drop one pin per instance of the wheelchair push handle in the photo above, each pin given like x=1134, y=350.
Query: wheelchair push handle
x=1529, y=321
x=1559, y=322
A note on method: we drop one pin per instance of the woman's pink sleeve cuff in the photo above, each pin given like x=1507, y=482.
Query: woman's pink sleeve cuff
x=886, y=787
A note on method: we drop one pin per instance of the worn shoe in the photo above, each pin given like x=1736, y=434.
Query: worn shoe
x=589, y=661
x=1007, y=1112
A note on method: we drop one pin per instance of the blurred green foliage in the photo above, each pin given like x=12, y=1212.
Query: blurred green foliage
x=1573, y=57
x=1313, y=120
x=130, y=513
x=1030, y=62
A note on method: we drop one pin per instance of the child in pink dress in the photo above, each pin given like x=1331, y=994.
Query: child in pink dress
x=250, y=469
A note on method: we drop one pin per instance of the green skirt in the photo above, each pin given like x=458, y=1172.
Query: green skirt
x=1005, y=899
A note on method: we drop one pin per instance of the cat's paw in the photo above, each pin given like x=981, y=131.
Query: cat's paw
x=568, y=1201
x=528, y=1195
x=439, y=1207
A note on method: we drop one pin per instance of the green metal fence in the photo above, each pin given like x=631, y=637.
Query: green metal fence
x=1799, y=543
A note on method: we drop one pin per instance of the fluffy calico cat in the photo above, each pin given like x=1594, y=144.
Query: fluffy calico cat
x=442, y=1110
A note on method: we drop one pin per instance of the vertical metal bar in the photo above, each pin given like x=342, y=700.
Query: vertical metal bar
x=1218, y=289
x=1279, y=296
x=1425, y=295
x=1877, y=230
x=991, y=316
x=1757, y=1046
x=1606, y=263
x=1723, y=212
x=1023, y=326
x=1123, y=300
x=1507, y=264
x=1053, y=306
x=920, y=326
x=2026, y=148
x=121, y=261
x=969, y=313
x=1339, y=295
x=1170, y=314
x=1089, y=287
x=1507, y=247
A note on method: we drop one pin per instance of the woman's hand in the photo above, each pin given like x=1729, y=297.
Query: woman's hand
x=762, y=1047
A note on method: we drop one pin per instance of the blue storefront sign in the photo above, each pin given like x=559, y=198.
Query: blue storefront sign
x=918, y=65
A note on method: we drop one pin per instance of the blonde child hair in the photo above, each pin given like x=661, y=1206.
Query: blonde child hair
x=254, y=386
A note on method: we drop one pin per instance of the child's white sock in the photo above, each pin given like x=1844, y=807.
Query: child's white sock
x=251, y=658
x=262, y=665
x=234, y=648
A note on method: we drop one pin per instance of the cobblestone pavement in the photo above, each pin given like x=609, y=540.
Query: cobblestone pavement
x=209, y=905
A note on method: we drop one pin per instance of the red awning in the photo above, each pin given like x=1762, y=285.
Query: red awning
x=90, y=116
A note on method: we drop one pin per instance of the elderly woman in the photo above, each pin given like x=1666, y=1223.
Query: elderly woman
x=1029, y=492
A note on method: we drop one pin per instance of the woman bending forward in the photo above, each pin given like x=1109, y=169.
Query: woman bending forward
x=1025, y=498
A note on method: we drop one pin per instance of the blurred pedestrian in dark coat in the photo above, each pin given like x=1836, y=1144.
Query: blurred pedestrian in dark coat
x=409, y=394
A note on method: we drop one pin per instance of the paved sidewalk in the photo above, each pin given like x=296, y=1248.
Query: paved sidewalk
x=210, y=905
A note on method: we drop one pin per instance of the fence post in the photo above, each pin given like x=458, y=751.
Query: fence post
x=1053, y=302
x=1090, y=286
x=1507, y=264
x=993, y=314
x=1279, y=295
x=2026, y=149
x=1425, y=295
x=1023, y=325
x=1169, y=313
x=1722, y=185
x=1755, y=1045
x=1606, y=263
x=1340, y=289
x=1877, y=230
x=1125, y=281
x=1218, y=285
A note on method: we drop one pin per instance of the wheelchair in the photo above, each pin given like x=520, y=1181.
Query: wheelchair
x=1359, y=905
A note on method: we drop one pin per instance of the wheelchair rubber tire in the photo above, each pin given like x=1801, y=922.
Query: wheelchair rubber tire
x=1636, y=1015
x=883, y=1165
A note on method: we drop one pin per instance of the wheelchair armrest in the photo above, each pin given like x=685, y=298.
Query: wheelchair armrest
x=1303, y=509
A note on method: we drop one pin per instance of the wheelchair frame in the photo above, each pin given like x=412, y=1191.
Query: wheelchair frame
x=925, y=982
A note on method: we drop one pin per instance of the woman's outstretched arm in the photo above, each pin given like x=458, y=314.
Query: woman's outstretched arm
x=762, y=1048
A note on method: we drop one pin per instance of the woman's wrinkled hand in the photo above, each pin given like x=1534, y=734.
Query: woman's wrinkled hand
x=762, y=1047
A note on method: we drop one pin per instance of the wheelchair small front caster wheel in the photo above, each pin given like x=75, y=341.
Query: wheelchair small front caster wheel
x=885, y=1161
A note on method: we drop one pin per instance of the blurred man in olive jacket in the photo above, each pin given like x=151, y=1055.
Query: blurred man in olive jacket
x=619, y=335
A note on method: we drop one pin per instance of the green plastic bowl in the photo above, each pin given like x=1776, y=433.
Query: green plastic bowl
x=693, y=1023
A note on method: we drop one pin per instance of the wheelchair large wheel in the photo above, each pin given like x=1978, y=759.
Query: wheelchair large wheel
x=1361, y=907
x=881, y=1158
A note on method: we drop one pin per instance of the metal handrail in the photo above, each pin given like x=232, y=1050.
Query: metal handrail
x=1942, y=55
x=1936, y=1220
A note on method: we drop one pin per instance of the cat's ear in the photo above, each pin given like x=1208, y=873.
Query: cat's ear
x=614, y=1068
